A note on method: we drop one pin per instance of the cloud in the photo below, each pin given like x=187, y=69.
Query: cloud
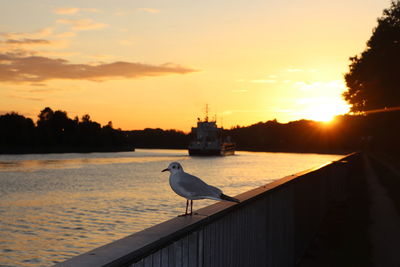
x=45, y=32
x=125, y=12
x=66, y=35
x=149, y=10
x=82, y=24
x=66, y=10
x=74, y=10
x=23, y=45
x=26, y=41
x=37, y=69
x=38, y=84
x=100, y=57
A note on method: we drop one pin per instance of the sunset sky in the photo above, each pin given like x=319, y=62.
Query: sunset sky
x=158, y=63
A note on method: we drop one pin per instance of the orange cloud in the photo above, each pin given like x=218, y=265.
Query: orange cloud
x=66, y=35
x=19, y=69
x=66, y=10
x=26, y=41
x=74, y=10
x=26, y=45
x=35, y=35
x=149, y=10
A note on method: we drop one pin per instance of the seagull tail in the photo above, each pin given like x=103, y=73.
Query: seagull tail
x=228, y=198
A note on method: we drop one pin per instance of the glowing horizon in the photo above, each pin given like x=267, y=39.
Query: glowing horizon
x=157, y=66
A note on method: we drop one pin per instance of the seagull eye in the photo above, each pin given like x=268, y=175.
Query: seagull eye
x=173, y=167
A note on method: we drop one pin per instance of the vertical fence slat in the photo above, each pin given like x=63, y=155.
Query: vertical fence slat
x=193, y=249
x=157, y=259
x=164, y=256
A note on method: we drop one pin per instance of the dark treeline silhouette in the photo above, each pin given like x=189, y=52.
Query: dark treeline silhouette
x=347, y=133
x=56, y=132
x=158, y=138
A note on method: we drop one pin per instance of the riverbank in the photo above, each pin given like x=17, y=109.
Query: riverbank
x=127, y=148
x=63, y=149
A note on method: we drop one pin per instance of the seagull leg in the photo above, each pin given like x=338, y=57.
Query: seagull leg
x=186, y=211
x=191, y=207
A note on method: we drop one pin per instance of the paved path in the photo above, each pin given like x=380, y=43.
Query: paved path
x=363, y=230
x=384, y=231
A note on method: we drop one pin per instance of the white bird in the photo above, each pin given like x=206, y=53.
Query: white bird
x=192, y=187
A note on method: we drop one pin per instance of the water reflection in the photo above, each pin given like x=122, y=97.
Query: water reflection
x=11, y=163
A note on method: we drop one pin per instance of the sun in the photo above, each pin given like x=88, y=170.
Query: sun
x=318, y=100
x=326, y=112
x=323, y=117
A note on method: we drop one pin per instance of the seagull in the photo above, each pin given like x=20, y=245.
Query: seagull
x=192, y=187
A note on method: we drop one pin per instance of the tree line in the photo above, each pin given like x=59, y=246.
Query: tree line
x=54, y=131
x=346, y=133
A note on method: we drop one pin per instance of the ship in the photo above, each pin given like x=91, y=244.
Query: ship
x=209, y=140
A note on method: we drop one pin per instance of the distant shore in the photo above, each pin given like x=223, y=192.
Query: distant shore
x=311, y=151
x=64, y=149
x=127, y=148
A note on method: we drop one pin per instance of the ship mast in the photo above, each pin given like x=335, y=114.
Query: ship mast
x=206, y=119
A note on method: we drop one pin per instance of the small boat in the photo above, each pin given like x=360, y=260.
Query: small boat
x=208, y=140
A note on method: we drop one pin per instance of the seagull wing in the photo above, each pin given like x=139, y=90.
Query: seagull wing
x=197, y=188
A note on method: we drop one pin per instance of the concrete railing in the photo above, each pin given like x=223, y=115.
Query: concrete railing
x=272, y=226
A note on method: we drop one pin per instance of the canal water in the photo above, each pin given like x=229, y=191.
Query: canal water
x=56, y=206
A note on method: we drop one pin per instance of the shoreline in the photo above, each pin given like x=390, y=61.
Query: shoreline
x=91, y=149
x=63, y=149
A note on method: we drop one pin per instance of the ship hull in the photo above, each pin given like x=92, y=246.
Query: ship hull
x=212, y=152
x=201, y=152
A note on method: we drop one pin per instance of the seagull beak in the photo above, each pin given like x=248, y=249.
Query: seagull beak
x=165, y=170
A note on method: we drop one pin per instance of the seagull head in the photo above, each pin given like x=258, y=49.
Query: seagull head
x=174, y=167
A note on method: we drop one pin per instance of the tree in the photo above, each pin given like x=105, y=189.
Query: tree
x=45, y=116
x=16, y=130
x=373, y=80
x=86, y=118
